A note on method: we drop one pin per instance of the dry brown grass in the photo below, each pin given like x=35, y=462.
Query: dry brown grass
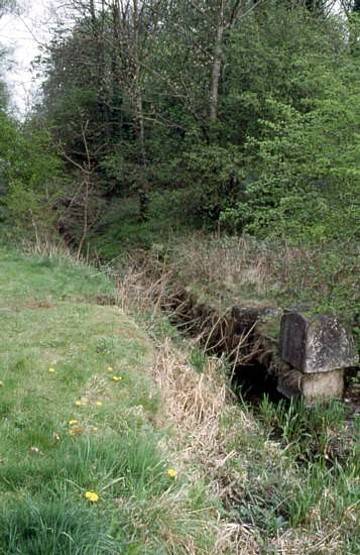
x=226, y=270
x=294, y=542
x=194, y=405
x=232, y=263
x=44, y=246
x=242, y=269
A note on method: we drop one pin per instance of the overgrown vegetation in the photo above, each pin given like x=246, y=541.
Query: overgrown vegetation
x=275, y=480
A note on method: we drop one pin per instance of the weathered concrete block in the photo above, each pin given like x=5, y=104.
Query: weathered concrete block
x=322, y=386
x=316, y=345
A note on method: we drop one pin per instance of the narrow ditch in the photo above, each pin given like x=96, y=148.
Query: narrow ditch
x=258, y=371
x=240, y=334
x=253, y=359
x=251, y=356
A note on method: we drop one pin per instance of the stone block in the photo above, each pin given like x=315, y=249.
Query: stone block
x=312, y=387
x=322, y=386
x=320, y=344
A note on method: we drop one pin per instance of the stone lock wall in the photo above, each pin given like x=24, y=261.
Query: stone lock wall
x=305, y=356
x=319, y=349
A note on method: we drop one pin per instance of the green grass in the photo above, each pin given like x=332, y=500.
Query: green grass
x=47, y=321
x=300, y=477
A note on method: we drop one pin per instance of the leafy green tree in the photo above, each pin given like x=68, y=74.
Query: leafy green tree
x=30, y=177
x=306, y=181
x=237, y=102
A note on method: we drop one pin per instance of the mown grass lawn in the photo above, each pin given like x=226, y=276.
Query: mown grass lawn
x=83, y=469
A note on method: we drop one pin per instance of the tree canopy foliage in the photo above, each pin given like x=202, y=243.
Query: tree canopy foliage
x=244, y=112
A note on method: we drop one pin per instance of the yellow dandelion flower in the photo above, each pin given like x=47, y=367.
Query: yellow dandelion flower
x=91, y=496
x=98, y=403
x=94, y=429
x=110, y=369
x=116, y=378
x=73, y=422
x=51, y=370
x=76, y=430
x=81, y=402
x=171, y=472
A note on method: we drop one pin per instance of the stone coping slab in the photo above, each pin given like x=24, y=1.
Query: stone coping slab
x=318, y=344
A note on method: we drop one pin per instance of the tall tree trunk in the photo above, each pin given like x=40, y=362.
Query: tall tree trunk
x=217, y=62
x=139, y=116
x=93, y=12
x=143, y=186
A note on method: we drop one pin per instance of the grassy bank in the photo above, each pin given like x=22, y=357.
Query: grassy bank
x=78, y=412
